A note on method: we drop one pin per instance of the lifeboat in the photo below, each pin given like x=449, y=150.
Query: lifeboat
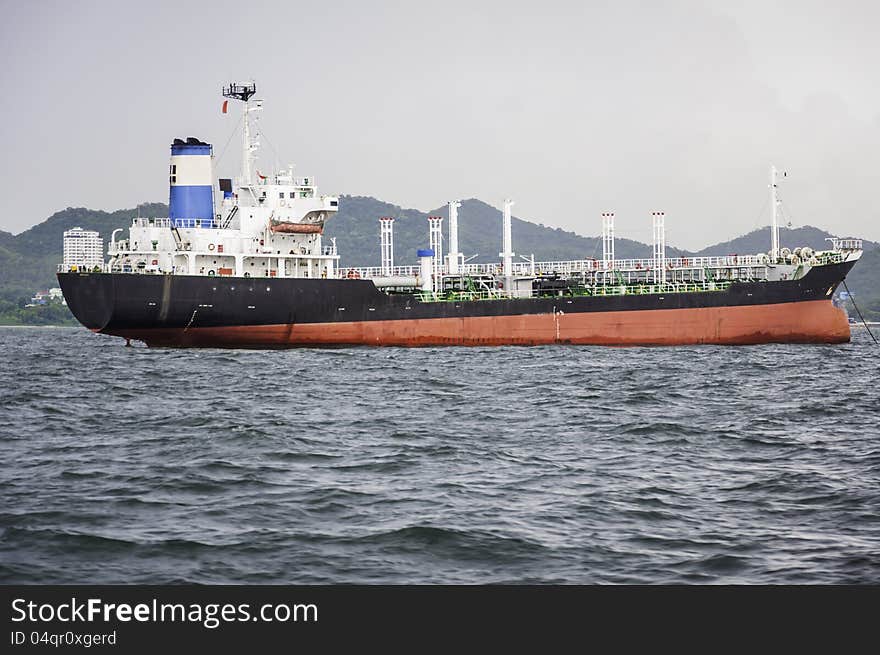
x=297, y=228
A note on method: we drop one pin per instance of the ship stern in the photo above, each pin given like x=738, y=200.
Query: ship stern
x=89, y=297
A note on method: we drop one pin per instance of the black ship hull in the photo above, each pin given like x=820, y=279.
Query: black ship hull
x=178, y=310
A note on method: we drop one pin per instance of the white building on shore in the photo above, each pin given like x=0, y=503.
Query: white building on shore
x=83, y=249
x=47, y=296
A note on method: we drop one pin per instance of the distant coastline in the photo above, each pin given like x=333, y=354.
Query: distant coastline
x=54, y=314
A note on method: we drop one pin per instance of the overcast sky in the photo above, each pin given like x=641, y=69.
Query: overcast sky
x=570, y=108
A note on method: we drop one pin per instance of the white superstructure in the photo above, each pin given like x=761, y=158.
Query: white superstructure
x=263, y=225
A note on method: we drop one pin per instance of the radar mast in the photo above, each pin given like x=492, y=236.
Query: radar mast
x=250, y=144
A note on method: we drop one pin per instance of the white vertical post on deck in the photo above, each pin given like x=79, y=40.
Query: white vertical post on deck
x=453, y=266
x=607, y=241
x=659, y=247
x=386, y=243
x=435, y=234
x=774, y=220
x=507, y=246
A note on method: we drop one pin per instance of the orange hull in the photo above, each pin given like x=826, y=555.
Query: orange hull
x=801, y=322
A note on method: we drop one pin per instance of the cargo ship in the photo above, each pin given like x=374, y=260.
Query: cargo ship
x=248, y=267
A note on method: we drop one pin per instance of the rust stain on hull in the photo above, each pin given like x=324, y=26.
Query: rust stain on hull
x=800, y=322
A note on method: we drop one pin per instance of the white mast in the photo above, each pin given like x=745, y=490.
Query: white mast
x=507, y=246
x=245, y=92
x=386, y=244
x=659, y=247
x=246, y=149
x=435, y=235
x=251, y=143
x=774, y=221
x=453, y=255
x=608, y=241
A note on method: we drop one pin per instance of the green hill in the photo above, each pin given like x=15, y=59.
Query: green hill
x=28, y=260
x=759, y=241
x=45, y=238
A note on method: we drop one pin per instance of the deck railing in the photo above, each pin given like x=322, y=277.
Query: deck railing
x=151, y=222
x=521, y=269
x=574, y=267
x=846, y=244
x=598, y=290
x=739, y=266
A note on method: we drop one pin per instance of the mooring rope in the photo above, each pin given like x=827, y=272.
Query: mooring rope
x=850, y=296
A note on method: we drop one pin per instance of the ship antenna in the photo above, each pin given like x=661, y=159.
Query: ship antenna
x=245, y=92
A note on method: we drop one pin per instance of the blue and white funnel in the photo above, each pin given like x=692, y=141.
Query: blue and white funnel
x=191, y=197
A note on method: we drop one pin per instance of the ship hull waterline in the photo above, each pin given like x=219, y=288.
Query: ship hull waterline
x=199, y=311
x=804, y=322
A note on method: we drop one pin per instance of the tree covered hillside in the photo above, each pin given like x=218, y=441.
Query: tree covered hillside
x=28, y=260
x=759, y=241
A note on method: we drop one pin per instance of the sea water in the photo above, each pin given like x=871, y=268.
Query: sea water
x=558, y=464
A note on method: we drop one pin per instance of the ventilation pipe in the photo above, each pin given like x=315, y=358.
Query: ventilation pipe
x=659, y=247
x=452, y=258
x=435, y=232
x=507, y=245
x=426, y=257
x=608, y=241
x=386, y=244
